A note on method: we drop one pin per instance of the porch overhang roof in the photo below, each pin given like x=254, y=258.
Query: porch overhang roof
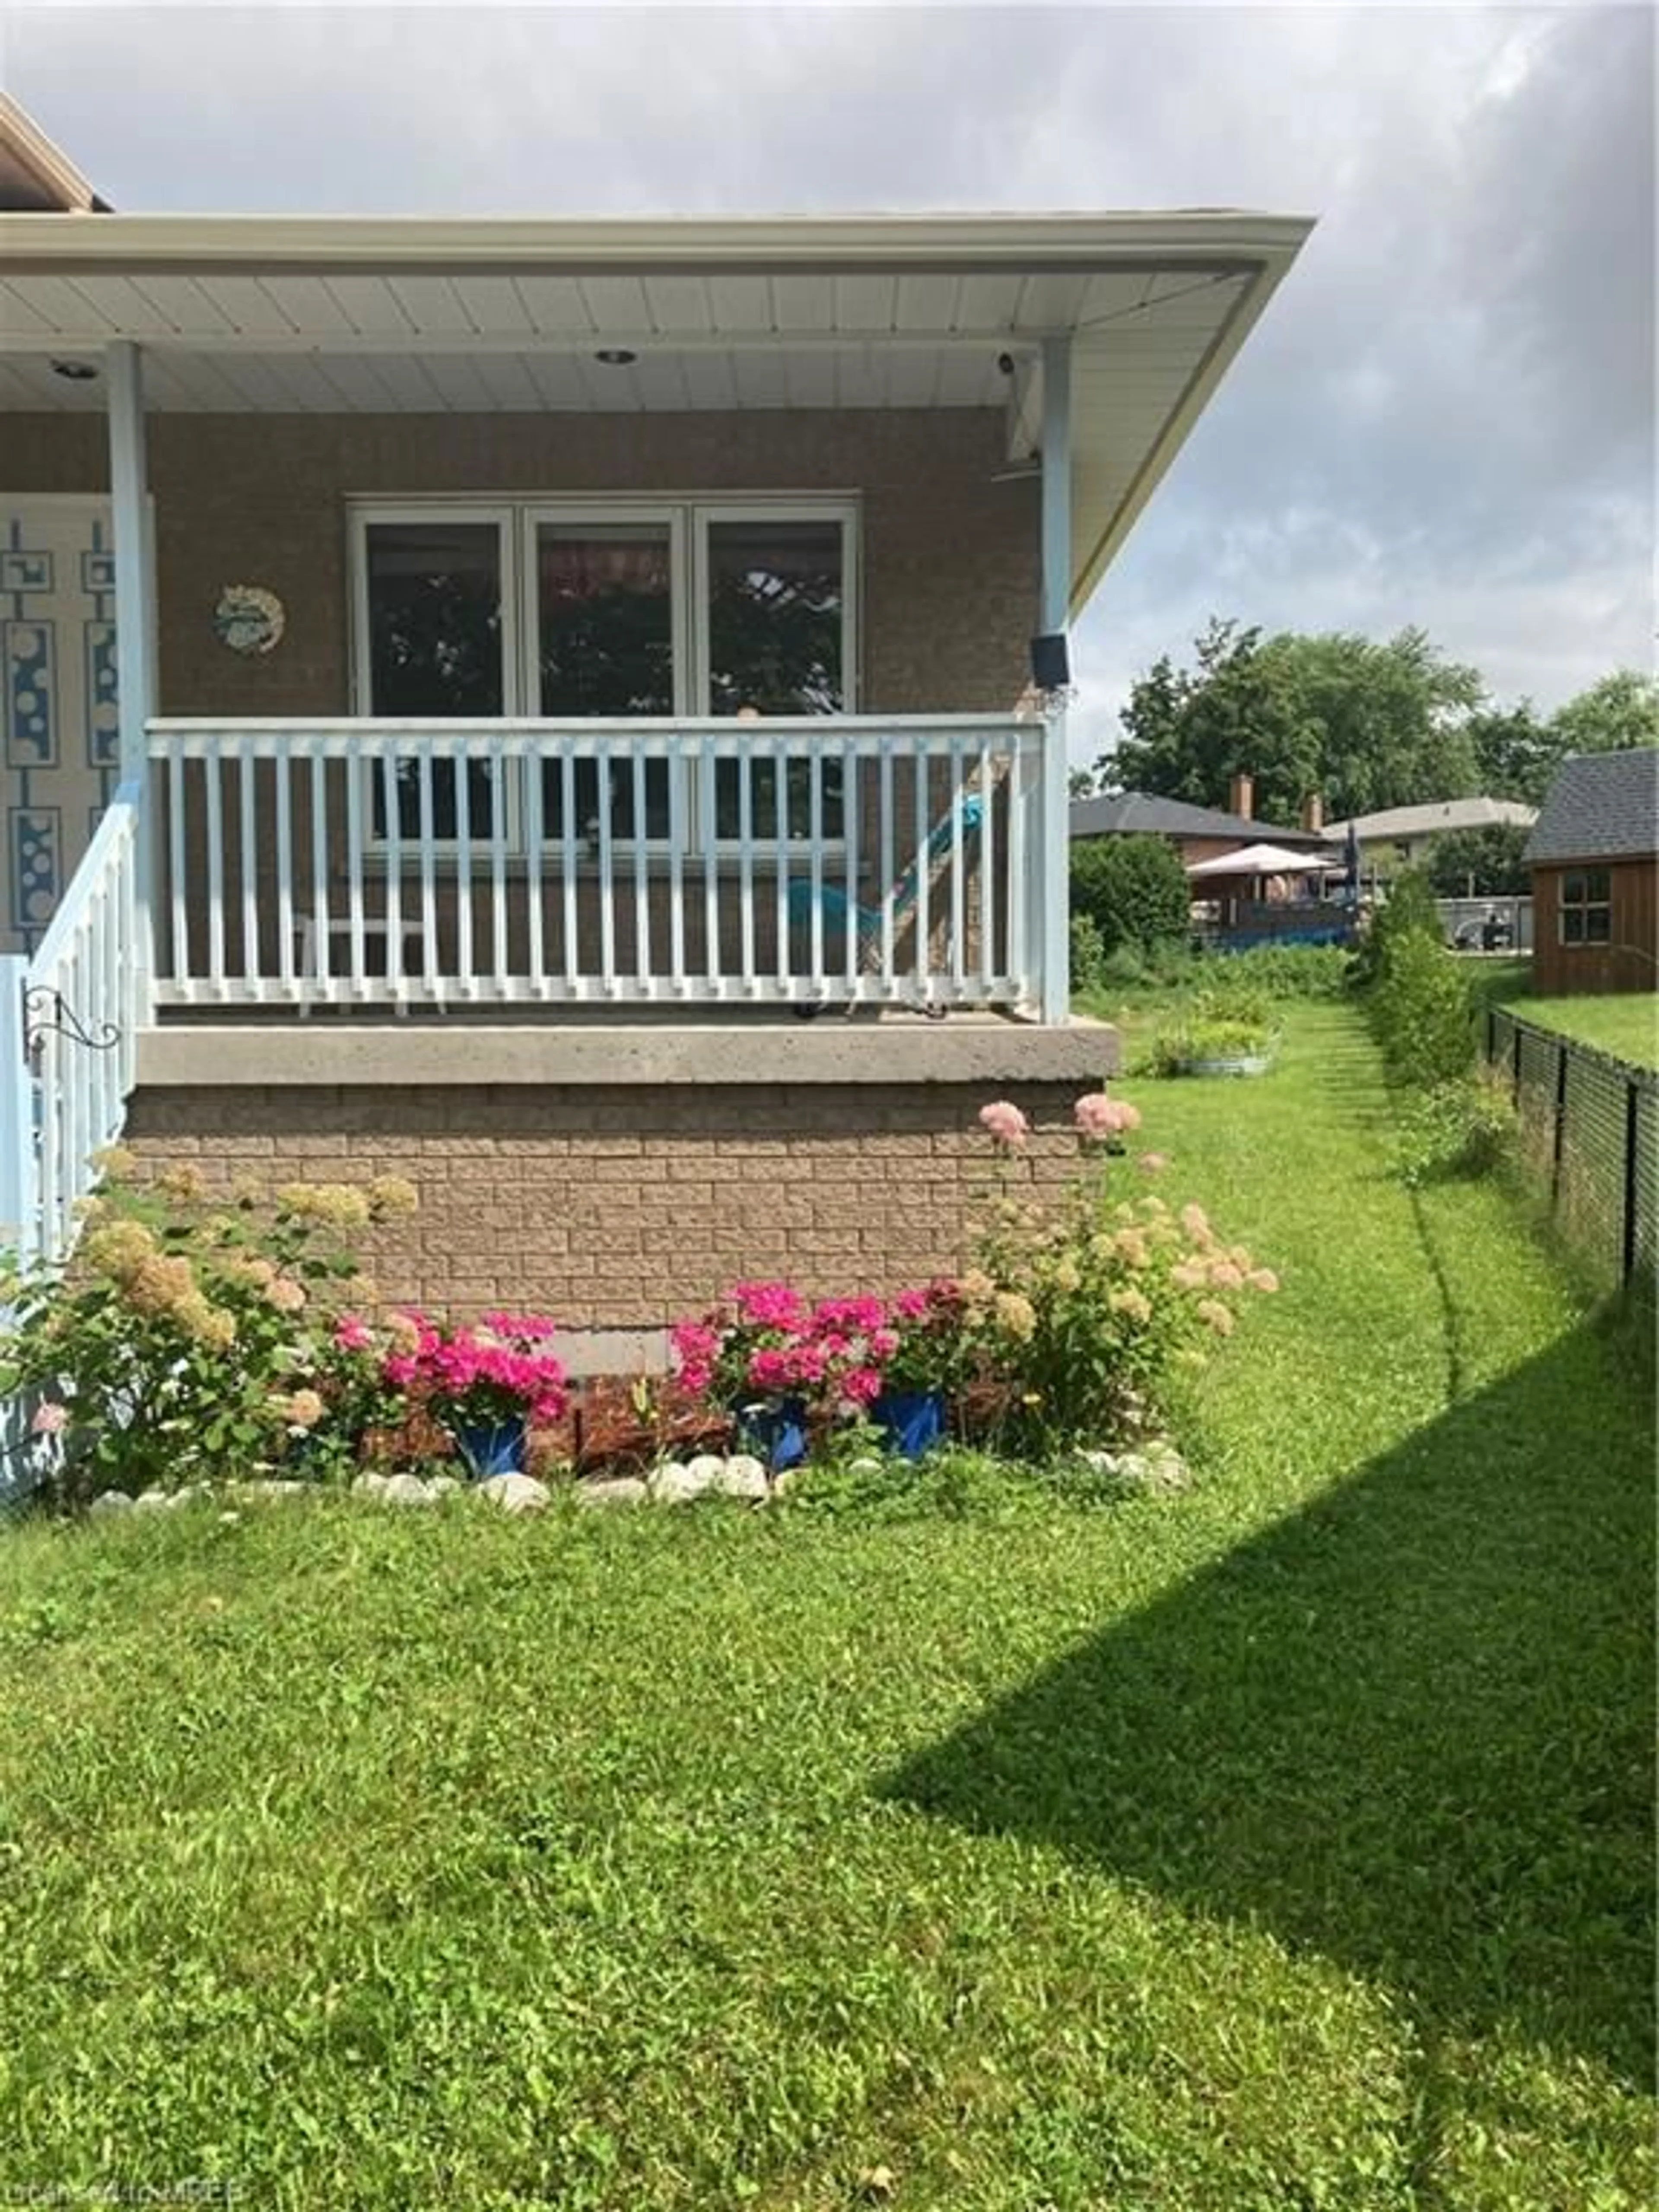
x=326, y=314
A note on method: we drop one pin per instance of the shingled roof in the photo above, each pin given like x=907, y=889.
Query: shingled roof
x=1119, y=813
x=1601, y=806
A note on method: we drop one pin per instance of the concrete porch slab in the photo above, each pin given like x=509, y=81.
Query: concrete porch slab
x=964, y=1048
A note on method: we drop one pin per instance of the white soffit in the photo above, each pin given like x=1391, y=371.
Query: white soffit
x=322, y=315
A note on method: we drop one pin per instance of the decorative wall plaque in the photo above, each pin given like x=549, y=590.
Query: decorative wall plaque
x=248, y=618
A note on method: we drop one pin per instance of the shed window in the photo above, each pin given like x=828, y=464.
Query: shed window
x=1587, y=906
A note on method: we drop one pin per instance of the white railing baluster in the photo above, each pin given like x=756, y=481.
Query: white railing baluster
x=570, y=854
x=986, y=878
x=852, y=796
x=214, y=766
x=783, y=954
x=501, y=970
x=677, y=761
x=462, y=770
x=394, y=880
x=356, y=774
x=428, y=874
x=958, y=858
x=887, y=837
x=253, y=960
x=919, y=862
x=607, y=878
x=283, y=771
x=642, y=880
x=746, y=861
x=706, y=767
x=318, y=900
x=535, y=848
x=815, y=834
x=179, y=967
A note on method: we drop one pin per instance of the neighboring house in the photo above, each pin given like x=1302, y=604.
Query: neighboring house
x=1197, y=833
x=1400, y=836
x=552, y=625
x=1594, y=854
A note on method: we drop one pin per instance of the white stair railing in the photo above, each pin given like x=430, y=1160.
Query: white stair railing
x=68, y=1040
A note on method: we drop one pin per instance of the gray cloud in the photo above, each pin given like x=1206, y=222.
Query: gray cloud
x=1446, y=418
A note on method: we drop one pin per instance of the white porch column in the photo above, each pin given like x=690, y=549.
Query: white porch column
x=1055, y=917
x=135, y=613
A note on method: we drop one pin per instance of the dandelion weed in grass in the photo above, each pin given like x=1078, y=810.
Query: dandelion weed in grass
x=1409, y=1728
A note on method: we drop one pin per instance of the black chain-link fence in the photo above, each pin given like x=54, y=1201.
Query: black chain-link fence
x=1590, y=1134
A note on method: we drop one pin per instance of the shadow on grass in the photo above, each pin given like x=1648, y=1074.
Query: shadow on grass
x=1410, y=1728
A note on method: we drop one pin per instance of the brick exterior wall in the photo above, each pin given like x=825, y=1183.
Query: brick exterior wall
x=626, y=1206
x=951, y=558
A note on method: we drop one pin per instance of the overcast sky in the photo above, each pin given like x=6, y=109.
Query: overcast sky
x=1445, y=418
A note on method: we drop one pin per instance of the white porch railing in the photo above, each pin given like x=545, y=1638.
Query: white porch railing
x=801, y=861
x=69, y=1019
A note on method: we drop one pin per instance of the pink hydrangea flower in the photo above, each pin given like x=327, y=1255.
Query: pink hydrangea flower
x=51, y=1419
x=1097, y=1116
x=1003, y=1120
x=862, y=1385
x=353, y=1334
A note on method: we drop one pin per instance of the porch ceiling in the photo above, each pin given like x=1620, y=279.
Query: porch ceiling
x=327, y=315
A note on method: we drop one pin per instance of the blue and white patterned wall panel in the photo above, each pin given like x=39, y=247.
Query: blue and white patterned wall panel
x=59, y=741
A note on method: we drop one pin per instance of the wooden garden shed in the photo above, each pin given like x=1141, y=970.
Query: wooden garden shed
x=1594, y=854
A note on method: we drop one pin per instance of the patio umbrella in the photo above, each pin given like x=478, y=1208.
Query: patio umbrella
x=1261, y=860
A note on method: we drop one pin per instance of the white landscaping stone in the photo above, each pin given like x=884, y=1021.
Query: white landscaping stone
x=743, y=1476
x=109, y=1502
x=706, y=1469
x=620, y=1490
x=190, y=1494
x=152, y=1501
x=406, y=1489
x=441, y=1485
x=271, y=1486
x=516, y=1493
x=369, y=1485
x=673, y=1483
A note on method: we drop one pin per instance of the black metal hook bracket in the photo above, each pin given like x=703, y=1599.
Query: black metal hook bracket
x=46, y=1011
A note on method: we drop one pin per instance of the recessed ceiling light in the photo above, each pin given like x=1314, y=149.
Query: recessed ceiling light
x=616, y=356
x=78, y=372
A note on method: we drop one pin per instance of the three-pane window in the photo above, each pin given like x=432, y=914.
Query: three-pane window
x=614, y=612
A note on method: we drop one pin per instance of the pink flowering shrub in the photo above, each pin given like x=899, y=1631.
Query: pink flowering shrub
x=1080, y=1317
x=478, y=1376
x=1094, y=1312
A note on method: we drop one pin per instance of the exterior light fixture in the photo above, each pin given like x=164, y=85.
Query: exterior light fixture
x=78, y=372
x=616, y=356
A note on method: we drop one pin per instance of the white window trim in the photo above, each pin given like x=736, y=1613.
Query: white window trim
x=689, y=515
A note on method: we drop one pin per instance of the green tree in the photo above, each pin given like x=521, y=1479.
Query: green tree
x=1133, y=890
x=1620, y=711
x=1364, y=724
x=1515, y=754
x=1480, y=863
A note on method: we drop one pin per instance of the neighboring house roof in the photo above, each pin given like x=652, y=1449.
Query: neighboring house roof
x=297, y=313
x=1601, y=806
x=35, y=176
x=1119, y=813
x=1430, y=820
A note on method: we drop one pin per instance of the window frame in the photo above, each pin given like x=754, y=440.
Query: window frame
x=689, y=516
x=1583, y=906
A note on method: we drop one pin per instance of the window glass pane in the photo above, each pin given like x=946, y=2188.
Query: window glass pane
x=775, y=618
x=434, y=618
x=1573, y=924
x=435, y=642
x=606, y=613
x=1598, y=925
x=605, y=628
x=1598, y=884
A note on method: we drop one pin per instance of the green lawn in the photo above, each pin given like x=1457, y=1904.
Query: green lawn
x=1284, y=1845
x=1624, y=1023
